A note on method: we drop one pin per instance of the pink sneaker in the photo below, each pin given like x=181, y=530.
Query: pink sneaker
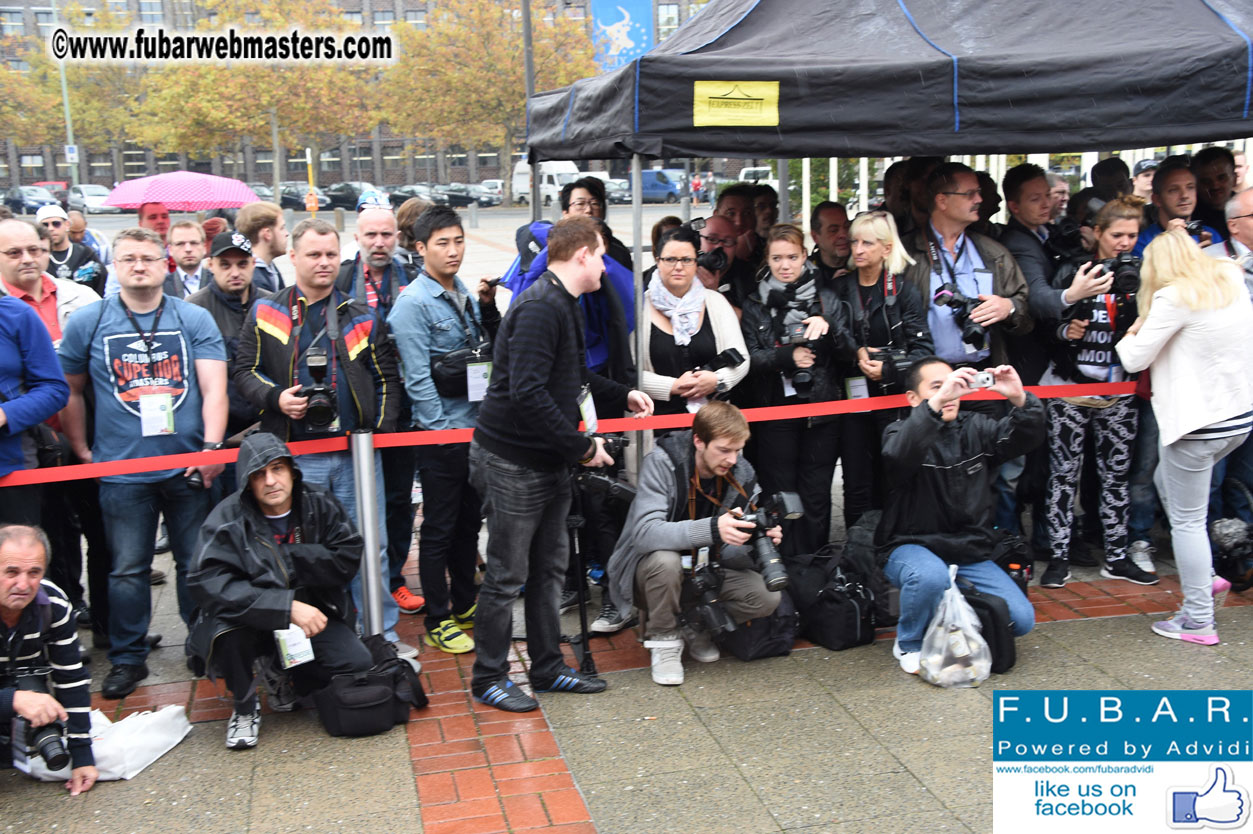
x=1182, y=627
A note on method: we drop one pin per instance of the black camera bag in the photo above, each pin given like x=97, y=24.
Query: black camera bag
x=368, y=703
x=836, y=609
x=1013, y=555
x=765, y=636
x=860, y=561
x=995, y=625
x=448, y=370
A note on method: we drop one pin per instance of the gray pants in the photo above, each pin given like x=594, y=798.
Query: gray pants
x=659, y=581
x=1183, y=482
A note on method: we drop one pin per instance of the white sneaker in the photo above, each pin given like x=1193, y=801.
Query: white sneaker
x=242, y=730
x=1141, y=553
x=700, y=645
x=667, y=651
x=911, y=662
x=404, y=650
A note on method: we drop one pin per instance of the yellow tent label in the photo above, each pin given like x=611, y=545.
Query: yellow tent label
x=735, y=103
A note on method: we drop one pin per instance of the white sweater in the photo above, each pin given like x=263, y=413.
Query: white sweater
x=727, y=334
x=1201, y=362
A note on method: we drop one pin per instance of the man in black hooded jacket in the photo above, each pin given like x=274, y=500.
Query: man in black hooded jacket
x=277, y=553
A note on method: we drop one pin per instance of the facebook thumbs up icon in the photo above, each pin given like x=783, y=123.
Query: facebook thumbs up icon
x=1221, y=805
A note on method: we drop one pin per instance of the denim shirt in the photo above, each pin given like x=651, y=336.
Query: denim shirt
x=424, y=324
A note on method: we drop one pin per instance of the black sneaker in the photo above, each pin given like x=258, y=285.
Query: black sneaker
x=82, y=616
x=507, y=696
x=122, y=680
x=569, y=600
x=1128, y=570
x=571, y=681
x=1056, y=575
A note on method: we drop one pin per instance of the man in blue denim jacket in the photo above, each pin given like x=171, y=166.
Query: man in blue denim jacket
x=434, y=316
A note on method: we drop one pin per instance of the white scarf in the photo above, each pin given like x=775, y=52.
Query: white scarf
x=684, y=313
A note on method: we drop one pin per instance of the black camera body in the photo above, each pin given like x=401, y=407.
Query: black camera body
x=1126, y=270
x=596, y=483
x=729, y=358
x=899, y=357
x=1065, y=241
x=704, y=585
x=948, y=295
x=1194, y=227
x=803, y=379
x=323, y=405
x=780, y=507
x=48, y=740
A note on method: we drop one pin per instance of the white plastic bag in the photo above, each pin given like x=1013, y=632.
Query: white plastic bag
x=954, y=653
x=124, y=749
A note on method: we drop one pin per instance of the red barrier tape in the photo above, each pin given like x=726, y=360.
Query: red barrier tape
x=432, y=438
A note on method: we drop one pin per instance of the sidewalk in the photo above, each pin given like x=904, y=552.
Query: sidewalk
x=818, y=741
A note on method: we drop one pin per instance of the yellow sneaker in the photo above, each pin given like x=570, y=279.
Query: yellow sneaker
x=465, y=620
x=447, y=637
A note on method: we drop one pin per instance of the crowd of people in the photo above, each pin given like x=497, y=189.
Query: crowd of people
x=183, y=337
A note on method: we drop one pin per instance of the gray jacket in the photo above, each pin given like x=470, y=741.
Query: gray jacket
x=658, y=519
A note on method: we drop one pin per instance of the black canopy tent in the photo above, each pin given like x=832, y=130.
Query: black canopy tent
x=797, y=78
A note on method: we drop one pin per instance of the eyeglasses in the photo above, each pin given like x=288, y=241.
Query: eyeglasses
x=719, y=241
x=969, y=195
x=672, y=262
x=874, y=213
x=583, y=204
x=33, y=251
x=1239, y=216
x=131, y=260
x=53, y=224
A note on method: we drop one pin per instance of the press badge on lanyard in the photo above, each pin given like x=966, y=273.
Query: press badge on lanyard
x=587, y=411
x=156, y=414
x=478, y=374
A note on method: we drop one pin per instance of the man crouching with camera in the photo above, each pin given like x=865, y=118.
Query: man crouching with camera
x=39, y=654
x=940, y=467
x=684, y=558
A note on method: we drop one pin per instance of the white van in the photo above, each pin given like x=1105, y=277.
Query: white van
x=553, y=175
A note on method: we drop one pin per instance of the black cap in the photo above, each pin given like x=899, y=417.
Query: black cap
x=227, y=241
x=1144, y=165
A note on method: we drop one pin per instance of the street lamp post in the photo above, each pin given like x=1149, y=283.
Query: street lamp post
x=65, y=103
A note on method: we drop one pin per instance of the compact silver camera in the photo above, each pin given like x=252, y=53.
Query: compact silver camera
x=983, y=379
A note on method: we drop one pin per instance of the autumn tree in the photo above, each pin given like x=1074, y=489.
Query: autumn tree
x=463, y=79
x=24, y=101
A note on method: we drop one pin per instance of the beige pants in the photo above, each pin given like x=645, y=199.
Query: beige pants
x=659, y=581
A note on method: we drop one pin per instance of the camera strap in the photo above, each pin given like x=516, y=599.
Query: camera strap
x=330, y=327
x=940, y=256
x=465, y=316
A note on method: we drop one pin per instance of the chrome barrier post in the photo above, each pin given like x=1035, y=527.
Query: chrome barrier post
x=361, y=443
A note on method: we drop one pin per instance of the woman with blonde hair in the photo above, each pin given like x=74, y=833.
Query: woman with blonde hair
x=1195, y=334
x=889, y=325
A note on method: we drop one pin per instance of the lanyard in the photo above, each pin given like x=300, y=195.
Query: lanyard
x=150, y=338
x=940, y=256
x=694, y=488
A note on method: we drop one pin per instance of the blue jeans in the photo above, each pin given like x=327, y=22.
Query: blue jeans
x=922, y=577
x=527, y=543
x=333, y=472
x=1231, y=502
x=1145, y=506
x=130, y=525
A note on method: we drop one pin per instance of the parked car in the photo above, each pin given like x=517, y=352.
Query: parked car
x=346, y=194
x=421, y=190
x=458, y=194
x=53, y=185
x=484, y=197
x=292, y=196
x=617, y=192
x=89, y=199
x=263, y=191
x=28, y=199
x=496, y=187
x=658, y=187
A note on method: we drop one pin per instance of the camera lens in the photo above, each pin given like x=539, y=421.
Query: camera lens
x=47, y=741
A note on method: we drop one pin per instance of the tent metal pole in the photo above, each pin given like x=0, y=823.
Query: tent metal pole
x=833, y=173
x=637, y=259
x=785, y=201
x=863, y=184
x=806, y=194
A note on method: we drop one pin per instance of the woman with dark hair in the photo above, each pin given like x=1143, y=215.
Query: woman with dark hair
x=662, y=226
x=1082, y=351
x=798, y=335
x=689, y=327
x=889, y=323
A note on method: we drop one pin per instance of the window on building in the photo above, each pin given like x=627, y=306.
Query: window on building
x=31, y=161
x=393, y=157
x=352, y=17
x=576, y=12
x=4, y=168
x=11, y=22
x=264, y=162
x=695, y=6
x=329, y=161
x=296, y=164
x=44, y=20
x=169, y=160
x=150, y=11
x=667, y=19
x=89, y=17
x=101, y=165
x=416, y=18
x=384, y=18
x=251, y=17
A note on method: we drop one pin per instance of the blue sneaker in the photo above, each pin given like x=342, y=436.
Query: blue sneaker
x=507, y=696
x=571, y=681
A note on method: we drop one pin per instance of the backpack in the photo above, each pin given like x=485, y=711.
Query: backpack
x=994, y=625
x=836, y=608
x=764, y=637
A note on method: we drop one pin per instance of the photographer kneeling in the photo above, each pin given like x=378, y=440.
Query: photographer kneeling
x=40, y=632
x=940, y=466
x=693, y=488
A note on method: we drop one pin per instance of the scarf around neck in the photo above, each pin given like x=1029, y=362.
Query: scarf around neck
x=684, y=312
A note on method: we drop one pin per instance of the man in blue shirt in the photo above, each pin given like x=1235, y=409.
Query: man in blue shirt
x=1174, y=197
x=436, y=314
x=157, y=367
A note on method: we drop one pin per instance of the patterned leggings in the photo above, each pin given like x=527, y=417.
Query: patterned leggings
x=1114, y=430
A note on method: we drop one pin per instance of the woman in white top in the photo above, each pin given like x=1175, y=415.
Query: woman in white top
x=1195, y=332
x=689, y=327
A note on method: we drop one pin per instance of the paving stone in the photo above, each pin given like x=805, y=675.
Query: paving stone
x=797, y=725
x=702, y=799
x=629, y=749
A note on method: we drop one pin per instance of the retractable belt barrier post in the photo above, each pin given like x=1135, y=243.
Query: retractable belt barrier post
x=433, y=438
x=362, y=444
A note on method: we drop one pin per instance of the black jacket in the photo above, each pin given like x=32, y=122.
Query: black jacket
x=1066, y=354
x=530, y=415
x=940, y=478
x=762, y=331
x=262, y=369
x=229, y=314
x=1029, y=353
x=903, y=316
x=241, y=578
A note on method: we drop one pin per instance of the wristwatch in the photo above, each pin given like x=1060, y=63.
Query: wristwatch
x=213, y=447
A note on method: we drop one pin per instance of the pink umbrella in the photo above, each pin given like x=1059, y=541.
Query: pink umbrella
x=182, y=191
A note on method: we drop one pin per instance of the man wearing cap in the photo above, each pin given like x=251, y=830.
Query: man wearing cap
x=187, y=248
x=68, y=260
x=227, y=295
x=1142, y=179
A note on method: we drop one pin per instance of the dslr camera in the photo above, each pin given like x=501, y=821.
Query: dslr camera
x=948, y=295
x=1194, y=227
x=48, y=740
x=323, y=406
x=703, y=586
x=714, y=261
x=612, y=488
x=1126, y=270
x=780, y=507
x=803, y=379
